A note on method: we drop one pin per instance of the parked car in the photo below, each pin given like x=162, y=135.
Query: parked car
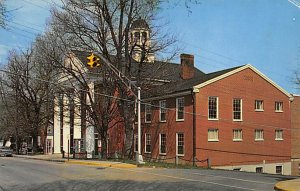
x=6, y=152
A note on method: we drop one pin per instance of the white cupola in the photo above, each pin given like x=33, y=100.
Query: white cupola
x=140, y=40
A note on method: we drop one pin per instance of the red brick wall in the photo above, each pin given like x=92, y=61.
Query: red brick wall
x=295, y=116
x=248, y=86
x=170, y=128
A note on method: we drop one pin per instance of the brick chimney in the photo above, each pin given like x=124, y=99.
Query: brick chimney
x=187, y=66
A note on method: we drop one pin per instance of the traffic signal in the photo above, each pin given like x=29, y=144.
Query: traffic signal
x=93, y=61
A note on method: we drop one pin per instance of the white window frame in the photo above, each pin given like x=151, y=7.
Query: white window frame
x=177, y=108
x=241, y=109
x=146, y=141
x=177, y=144
x=259, y=105
x=162, y=109
x=217, y=108
x=160, y=144
x=278, y=106
x=148, y=111
x=261, y=167
x=216, y=139
x=279, y=132
x=281, y=169
x=237, y=138
x=260, y=138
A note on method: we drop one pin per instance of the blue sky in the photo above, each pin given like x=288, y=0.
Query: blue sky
x=220, y=33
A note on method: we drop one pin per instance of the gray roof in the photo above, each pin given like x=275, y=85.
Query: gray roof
x=184, y=85
x=139, y=23
x=165, y=72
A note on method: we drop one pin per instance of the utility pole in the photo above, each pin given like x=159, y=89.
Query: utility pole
x=93, y=62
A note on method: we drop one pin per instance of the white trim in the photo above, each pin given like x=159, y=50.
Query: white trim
x=160, y=110
x=217, y=118
x=146, y=143
x=147, y=105
x=241, y=107
x=281, y=106
x=240, y=69
x=278, y=139
x=261, y=168
x=213, y=140
x=259, y=102
x=177, y=110
x=159, y=149
x=281, y=169
x=177, y=144
x=169, y=96
x=259, y=139
x=237, y=139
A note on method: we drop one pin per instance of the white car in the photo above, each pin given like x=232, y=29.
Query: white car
x=6, y=152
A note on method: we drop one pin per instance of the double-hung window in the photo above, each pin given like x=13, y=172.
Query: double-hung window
x=213, y=108
x=180, y=109
x=162, y=111
x=213, y=135
x=147, y=113
x=278, y=106
x=259, y=135
x=237, y=135
x=162, y=143
x=278, y=134
x=279, y=169
x=237, y=109
x=147, y=143
x=259, y=105
x=180, y=144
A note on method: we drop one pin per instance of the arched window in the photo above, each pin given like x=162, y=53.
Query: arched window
x=144, y=36
x=136, y=37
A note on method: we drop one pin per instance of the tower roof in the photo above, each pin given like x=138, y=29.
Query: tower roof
x=139, y=23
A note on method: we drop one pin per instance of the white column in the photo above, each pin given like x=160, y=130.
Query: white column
x=56, y=126
x=66, y=124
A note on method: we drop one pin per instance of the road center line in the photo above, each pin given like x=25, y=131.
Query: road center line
x=244, y=180
x=188, y=179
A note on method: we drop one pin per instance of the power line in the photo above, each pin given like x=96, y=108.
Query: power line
x=114, y=97
x=245, y=123
x=26, y=26
x=45, y=8
x=213, y=52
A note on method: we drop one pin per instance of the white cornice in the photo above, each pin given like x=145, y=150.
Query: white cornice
x=238, y=70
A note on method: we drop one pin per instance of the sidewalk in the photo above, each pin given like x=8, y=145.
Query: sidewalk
x=289, y=185
x=58, y=158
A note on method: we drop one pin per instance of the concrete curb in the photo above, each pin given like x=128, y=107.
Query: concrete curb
x=35, y=158
x=288, y=185
x=91, y=163
x=88, y=163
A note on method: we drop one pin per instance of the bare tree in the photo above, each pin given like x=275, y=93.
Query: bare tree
x=28, y=78
x=2, y=13
x=104, y=27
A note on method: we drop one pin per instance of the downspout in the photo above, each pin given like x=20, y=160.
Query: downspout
x=194, y=126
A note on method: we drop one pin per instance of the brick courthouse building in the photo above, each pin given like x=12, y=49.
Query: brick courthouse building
x=237, y=118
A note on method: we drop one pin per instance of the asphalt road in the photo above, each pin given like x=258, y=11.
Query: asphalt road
x=26, y=174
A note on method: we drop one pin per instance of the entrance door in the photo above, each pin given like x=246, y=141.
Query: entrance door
x=49, y=146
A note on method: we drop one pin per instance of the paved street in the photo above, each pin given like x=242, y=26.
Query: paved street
x=26, y=174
